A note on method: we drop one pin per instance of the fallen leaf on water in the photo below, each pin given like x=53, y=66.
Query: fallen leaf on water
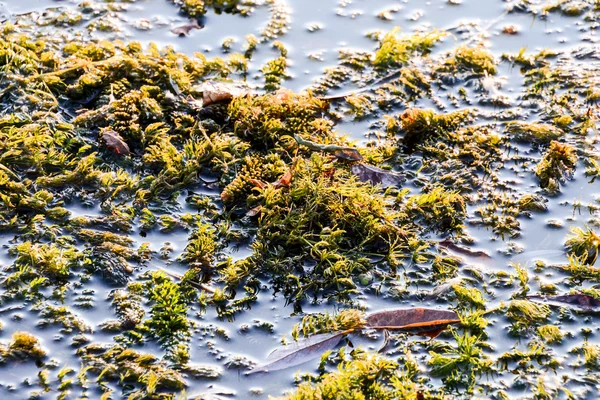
x=301, y=351
x=377, y=176
x=419, y=321
x=216, y=92
x=463, y=250
x=114, y=142
x=348, y=154
x=580, y=302
x=185, y=30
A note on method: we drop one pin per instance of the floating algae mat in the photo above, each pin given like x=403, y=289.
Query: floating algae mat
x=301, y=199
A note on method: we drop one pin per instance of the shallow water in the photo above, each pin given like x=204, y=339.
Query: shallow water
x=343, y=25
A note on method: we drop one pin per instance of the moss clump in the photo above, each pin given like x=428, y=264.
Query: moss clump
x=534, y=132
x=274, y=118
x=583, y=244
x=470, y=59
x=323, y=323
x=23, y=345
x=556, y=166
x=201, y=247
x=550, y=334
x=422, y=125
x=151, y=376
x=524, y=314
x=394, y=50
x=442, y=210
x=366, y=376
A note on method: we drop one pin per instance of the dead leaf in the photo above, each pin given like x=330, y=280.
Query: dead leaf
x=300, y=352
x=510, y=29
x=284, y=181
x=185, y=30
x=462, y=250
x=258, y=184
x=348, y=154
x=377, y=176
x=216, y=92
x=419, y=321
x=254, y=211
x=578, y=302
x=114, y=142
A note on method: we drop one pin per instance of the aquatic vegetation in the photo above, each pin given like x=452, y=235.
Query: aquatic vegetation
x=460, y=366
x=474, y=60
x=534, y=132
x=23, y=345
x=556, y=166
x=425, y=125
x=583, y=244
x=394, y=50
x=442, y=210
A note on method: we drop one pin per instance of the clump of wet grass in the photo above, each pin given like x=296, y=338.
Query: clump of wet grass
x=550, y=333
x=557, y=164
x=583, y=244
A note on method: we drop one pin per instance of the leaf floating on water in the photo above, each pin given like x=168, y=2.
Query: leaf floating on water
x=579, y=302
x=217, y=92
x=114, y=142
x=185, y=30
x=463, y=250
x=377, y=176
x=348, y=154
x=300, y=352
x=419, y=321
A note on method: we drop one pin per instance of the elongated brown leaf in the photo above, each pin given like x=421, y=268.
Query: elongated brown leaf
x=463, y=250
x=420, y=321
x=377, y=176
x=579, y=302
x=299, y=352
x=348, y=154
x=185, y=30
x=114, y=142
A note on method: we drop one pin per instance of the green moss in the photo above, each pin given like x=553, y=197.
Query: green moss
x=556, y=166
x=394, y=50
x=550, y=333
x=470, y=59
x=441, y=210
x=425, y=125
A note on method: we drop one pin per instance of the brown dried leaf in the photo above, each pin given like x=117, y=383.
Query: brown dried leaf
x=377, y=176
x=258, y=184
x=114, y=142
x=348, y=154
x=419, y=321
x=254, y=211
x=300, y=352
x=579, y=302
x=462, y=250
x=284, y=181
x=216, y=92
x=185, y=30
